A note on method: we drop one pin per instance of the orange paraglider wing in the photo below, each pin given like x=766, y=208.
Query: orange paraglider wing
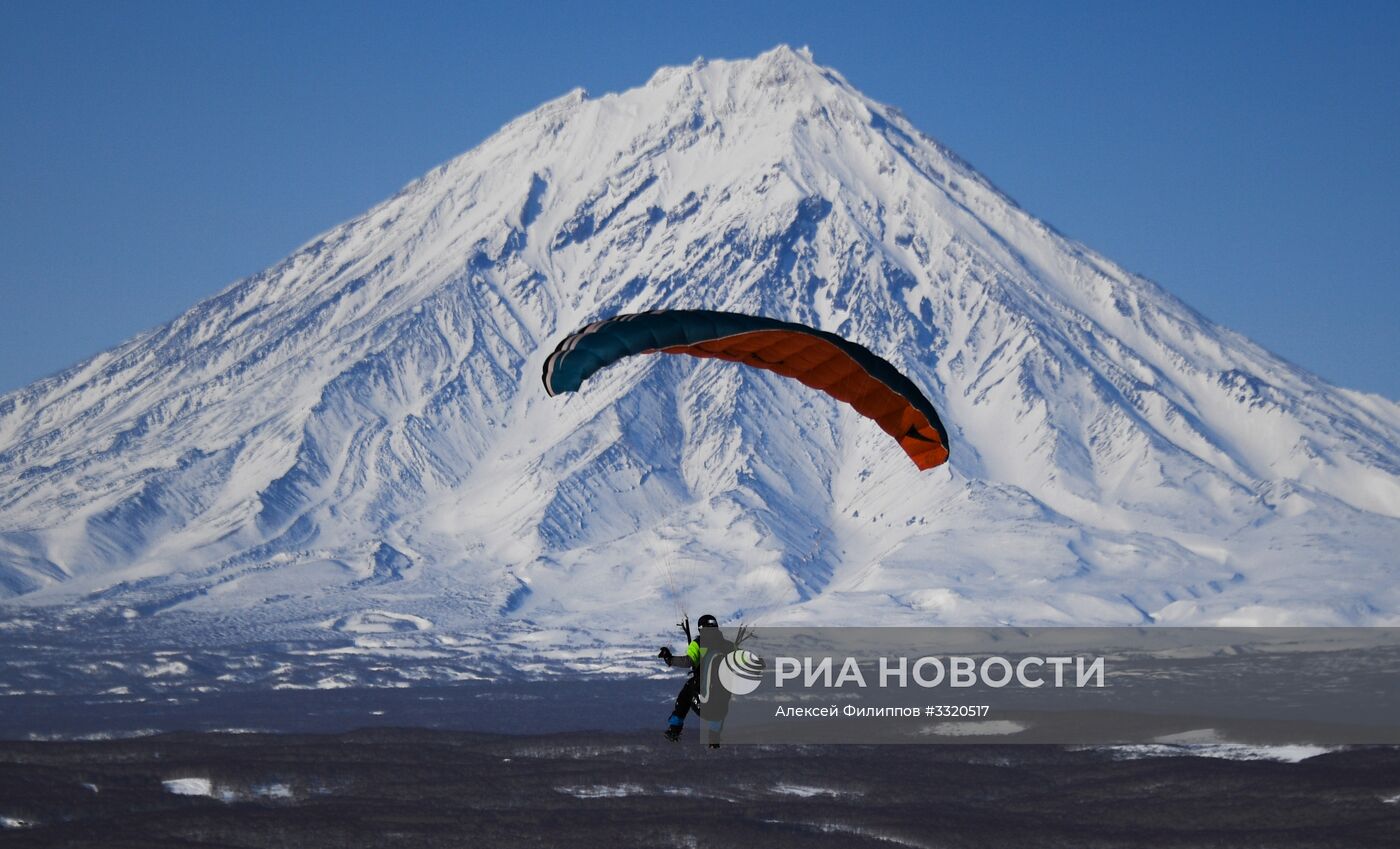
x=839, y=367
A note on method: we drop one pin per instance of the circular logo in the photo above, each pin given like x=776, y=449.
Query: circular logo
x=741, y=672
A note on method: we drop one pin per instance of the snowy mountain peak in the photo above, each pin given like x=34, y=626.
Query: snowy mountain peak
x=361, y=427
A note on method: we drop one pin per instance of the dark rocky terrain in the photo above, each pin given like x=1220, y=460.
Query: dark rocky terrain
x=387, y=787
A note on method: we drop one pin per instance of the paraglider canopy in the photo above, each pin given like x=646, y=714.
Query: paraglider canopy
x=839, y=367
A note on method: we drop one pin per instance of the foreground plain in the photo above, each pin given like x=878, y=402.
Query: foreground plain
x=388, y=787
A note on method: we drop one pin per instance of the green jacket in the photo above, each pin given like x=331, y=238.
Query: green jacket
x=709, y=638
x=695, y=653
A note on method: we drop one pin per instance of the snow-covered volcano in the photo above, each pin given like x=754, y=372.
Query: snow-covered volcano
x=357, y=438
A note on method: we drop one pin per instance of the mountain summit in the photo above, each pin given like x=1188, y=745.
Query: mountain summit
x=356, y=439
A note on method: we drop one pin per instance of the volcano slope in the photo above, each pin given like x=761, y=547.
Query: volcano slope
x=349, y=456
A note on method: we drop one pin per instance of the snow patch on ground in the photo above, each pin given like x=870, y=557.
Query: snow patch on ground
x=859, y=831
x=808, y=791
x=273, y=791
x=969, y=729
x=1227, y=751
x=206, y=787
x=97, y=735
x=166, y=669
x=336, y=682
x=189, y=787
x=602, y=791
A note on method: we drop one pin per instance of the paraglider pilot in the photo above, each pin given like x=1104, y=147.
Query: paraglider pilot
x=709, y=639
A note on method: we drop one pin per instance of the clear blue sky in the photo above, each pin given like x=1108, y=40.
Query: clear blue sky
x=1244, y=155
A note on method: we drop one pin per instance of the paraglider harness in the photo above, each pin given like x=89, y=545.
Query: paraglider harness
x=709, y=646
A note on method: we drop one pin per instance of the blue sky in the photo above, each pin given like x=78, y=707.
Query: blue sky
x=1243, y=155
